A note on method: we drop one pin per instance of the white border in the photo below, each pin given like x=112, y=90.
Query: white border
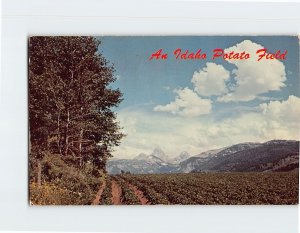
x=69, y=17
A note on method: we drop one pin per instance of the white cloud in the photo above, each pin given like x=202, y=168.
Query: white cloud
x=254, y=77
x=147, y=130
x=211, y=80
x=187, y=104
x=288, y=110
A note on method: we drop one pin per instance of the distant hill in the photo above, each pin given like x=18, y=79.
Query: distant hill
x=275, y=155
x=270, y=156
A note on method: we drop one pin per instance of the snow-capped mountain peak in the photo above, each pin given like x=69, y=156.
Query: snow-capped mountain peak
x=181, y=157
x=149, y=158
x=157, y=152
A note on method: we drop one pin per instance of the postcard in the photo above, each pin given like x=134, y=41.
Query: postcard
x=163, y=120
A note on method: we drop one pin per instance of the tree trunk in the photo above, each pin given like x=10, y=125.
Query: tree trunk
x=66, y=133
x=80, y=146
x=58, y=134
x=39, y=172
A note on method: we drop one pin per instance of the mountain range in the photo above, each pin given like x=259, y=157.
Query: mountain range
x=275, y=155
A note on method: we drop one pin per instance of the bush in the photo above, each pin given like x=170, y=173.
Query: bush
x=63, y=184
x=50, y=194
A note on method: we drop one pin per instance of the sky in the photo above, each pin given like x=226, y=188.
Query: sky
x=203, y=104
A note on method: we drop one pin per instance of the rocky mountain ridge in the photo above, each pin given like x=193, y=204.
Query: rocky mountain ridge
x=275, y=155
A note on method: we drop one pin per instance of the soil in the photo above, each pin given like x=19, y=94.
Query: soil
x=139, y=194
x=116, y=193
x=97, y=199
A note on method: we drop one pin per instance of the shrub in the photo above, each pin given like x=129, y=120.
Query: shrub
x=64, y=184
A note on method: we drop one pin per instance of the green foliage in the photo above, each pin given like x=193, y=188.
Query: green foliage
x=219, y=188
x=128, y=196
x=106, y=197
x=67, y=184
x=72, y=127
x=70, y=101
x=50, y=194
x=154, y=197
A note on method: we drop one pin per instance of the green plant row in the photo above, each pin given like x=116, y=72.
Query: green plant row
x=128, y=196
x=154, y=197
x=219, y=188
x=106, y=197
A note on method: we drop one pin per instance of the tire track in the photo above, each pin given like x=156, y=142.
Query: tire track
x=139, y=194
x=97, y=199
x=116, y=193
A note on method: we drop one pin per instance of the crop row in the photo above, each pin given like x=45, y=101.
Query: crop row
x=128, y=197
x=154, y=197
x=162, y=191
x=106, y=197
x=219, y=188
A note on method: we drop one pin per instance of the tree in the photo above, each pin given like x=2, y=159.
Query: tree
x=70, y=102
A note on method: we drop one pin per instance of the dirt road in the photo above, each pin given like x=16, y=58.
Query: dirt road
x=116, y=193
x=97, y=199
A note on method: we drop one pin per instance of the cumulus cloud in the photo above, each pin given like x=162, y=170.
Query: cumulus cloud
x=187, y=104
x=211, y=80
x=254, y=77
x=146, y=130
x=288, y=110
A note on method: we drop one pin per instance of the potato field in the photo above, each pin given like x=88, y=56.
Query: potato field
x=279, y=188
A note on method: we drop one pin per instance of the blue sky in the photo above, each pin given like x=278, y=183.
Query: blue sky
x=164, y=98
